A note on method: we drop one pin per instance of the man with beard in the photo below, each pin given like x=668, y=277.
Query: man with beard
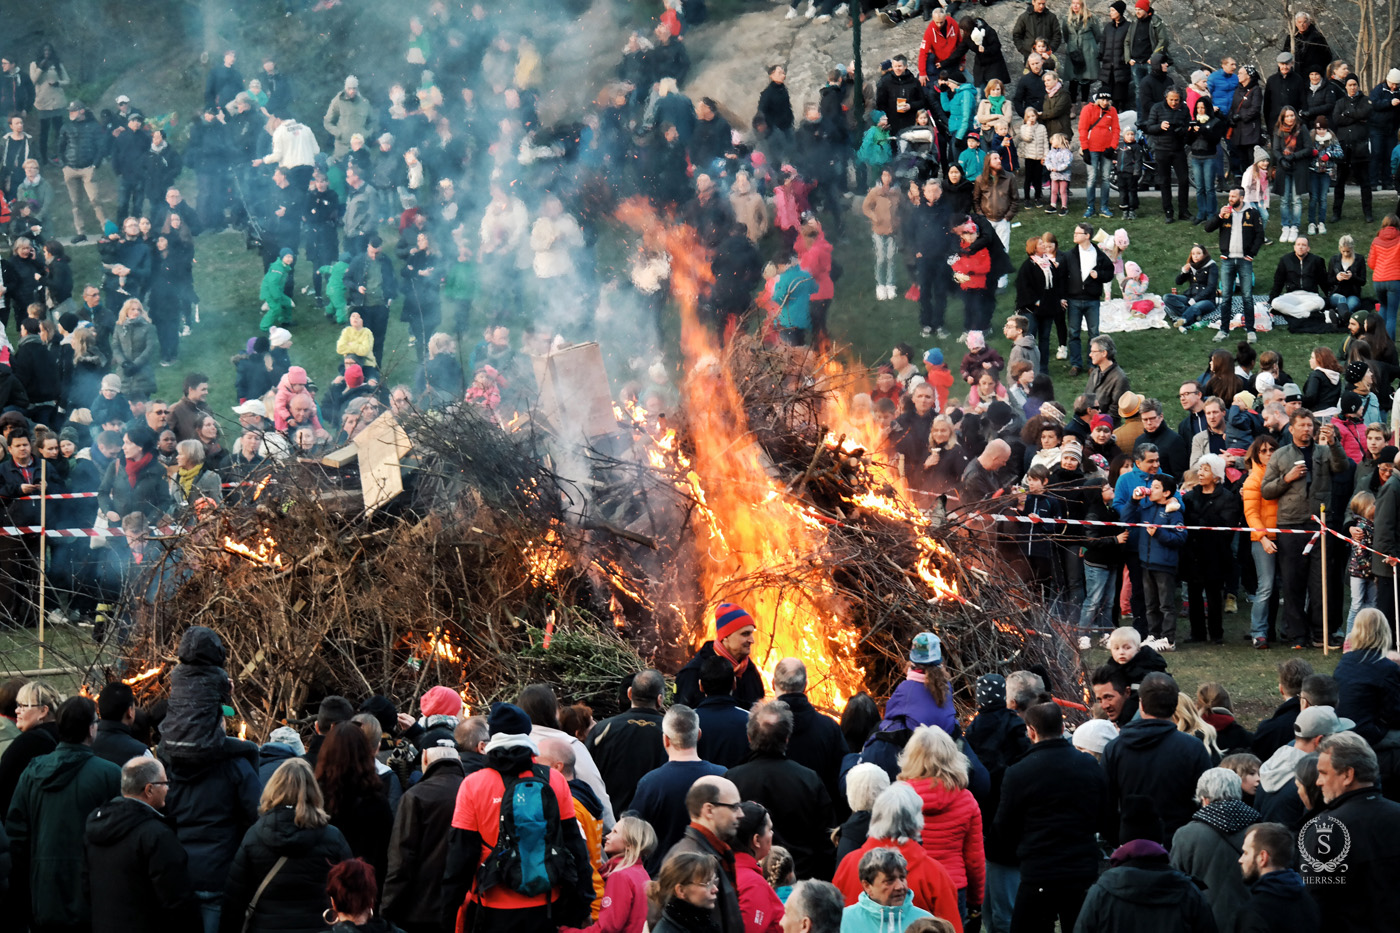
x=1241, y=239
x=1278, y=899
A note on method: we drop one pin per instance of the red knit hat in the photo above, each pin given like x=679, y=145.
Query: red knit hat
x=729, y=618
x=1101, y=421
x=1143, y=4
x=441, y=701
x=354, y=375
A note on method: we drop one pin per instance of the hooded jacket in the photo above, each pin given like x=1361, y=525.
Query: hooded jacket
x=418, y=846
x=1152, y=759
x=1143, y=893
x=296, y=896
x=137, y=871
x=45, y=821
x=212, y=802
x=194, y=723
x=953, y=835
x=1279, y=903
x=1052, y=801
x=866, y=916
x=1208, y=849
x=930, y=887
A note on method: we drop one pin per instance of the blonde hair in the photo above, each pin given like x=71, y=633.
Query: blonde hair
x=293, y=784
x=952, y=432
x=127, y=306
x=1125, y=635
x=40, y=693
x=1189, y=721
x=1030, y=116
x=1059, y=141
x=638, y=840
x=441, y=343
x=932, y=754
x=1363, y=503
x=1370, y=632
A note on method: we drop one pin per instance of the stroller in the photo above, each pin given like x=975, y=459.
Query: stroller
x=917, y=159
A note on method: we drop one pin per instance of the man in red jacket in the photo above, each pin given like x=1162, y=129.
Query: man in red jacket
x=942, y=46
x=1098, y=137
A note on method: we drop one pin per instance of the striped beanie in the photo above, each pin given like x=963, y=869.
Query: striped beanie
x=729, y=618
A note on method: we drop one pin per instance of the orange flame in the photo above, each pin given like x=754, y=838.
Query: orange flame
x=543, y=561
x=143, y=676
x=264, y=553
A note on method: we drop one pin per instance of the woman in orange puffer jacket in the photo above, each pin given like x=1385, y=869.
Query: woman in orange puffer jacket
x=1261, y=513
x=1383, y=259
x=932, y=764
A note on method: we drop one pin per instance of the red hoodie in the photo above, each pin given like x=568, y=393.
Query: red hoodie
x=941, y=42
x=941, y=378
x=815, y=259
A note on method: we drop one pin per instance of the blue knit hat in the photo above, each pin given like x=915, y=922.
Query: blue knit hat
x=933, y=357
x=927, y=650
x=876, y=116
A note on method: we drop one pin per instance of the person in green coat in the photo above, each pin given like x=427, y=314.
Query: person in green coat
x=337, y=306
x=274, y=292
x=1079, y=55
x=47, y=821
x=459, y=289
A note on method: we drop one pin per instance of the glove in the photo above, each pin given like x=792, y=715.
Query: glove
x=974, y=920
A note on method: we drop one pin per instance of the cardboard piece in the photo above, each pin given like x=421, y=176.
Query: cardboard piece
x=575, y=395
x=381, y=445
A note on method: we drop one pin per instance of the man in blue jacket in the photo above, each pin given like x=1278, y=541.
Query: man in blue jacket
x=1159, y=550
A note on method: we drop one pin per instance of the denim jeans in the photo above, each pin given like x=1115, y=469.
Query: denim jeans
x=1363, y=596
x=210, y=907
x=1388, y=298
x=1000, y=896
x=1318, y=186
x=1096, y=189
x=1189, y=311
x=1203, y=175
x=1233, y=271
x=1082, y=313
x=1262, y=207
x=1346, y=304
x=1097, y=610
x=884, y=259
x=1290, y=202
x=1140, y=71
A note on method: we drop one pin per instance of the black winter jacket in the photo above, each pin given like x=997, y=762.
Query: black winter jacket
x=418, y=847
x=1152, y=759
x=82, y=143
x=294, y=899
x=1372, y=827
x=747, y=691
x=1368, y=691
x=1245, y=114
x=1205, y=282
x=799, y=804
x=1052, y=802
x=724, y=739
x=1351, y=119
x=116, y=744
x=1145, y=895
x=1173, y=139
x=27, y=746
x=775, y=106
x=138, y=873
x=150, y=495
x=1319, y=101
x=817, y=743
x=212, y=803
x=1253, y=232
x=1279, y=903
x=1276, y=731
x=625, y=747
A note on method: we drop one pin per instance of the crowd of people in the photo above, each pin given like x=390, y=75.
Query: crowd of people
x=744, y=810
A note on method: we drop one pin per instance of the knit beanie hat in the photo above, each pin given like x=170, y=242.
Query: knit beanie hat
x=1355, y=372
x=934, y=357
x=729, y=619
x=443, y=701
x=1072, y=446
x=1101, y=421
x=1261, y=154
x=279, y=337
x=286, y=735
x=976, y=340
x=991, y=691
x=354, y=375
x=505, y=719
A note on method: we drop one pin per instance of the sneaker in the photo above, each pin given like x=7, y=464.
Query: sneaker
x=1312, y=231
x=879, y=293
x=1231, y=605
x=1051, y=209
x=1084, y=643
x=1250, y=337
x=167, y=362
x=185, y=331
x=80, y=238
x=1062, y=353
x=1064, y=211
x=1261, y=643
x=824, y=18
x=926, y=332
x=1321, y=228
x=1182, y=328
x=1103, y=639
x=885, y=18
x=942, y=333
x=1220, y=335
x=196, y=314
x=792, y=14
x=811, y=10
x=1105, y=212
x=1088, y=212
x=842, y=10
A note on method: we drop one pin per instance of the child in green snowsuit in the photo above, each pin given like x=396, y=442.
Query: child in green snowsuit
x=876, y=148
x=458, y=291
x=334, y=277
x=274, y=293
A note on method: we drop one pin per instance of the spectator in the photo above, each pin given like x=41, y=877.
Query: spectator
x=1151, y=758
x=116, y=707
x=864, y=784
x=884, y=903
x=1278, y=898
x=1347, y=772
x=813, y=907
x=46, y=817
x=1241, y=239
x=724, y=725
x=1275, y=797
x=1052, y=801
x=354, y=795
x=81, y=147
x=1208, y=847
x=753, y=841
x=540, y=704
x=938, y=771
x=624, y=907
x=627, y=746
x=1300, y=283
x=685, y=892
x=137, y=871
x=816, y=741
x=795, y=795
x=660, y=798
x=734, y=635
x=1368, y=679
x=1107, y=380
x=714, y=807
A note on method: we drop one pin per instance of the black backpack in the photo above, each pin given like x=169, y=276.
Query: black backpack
x=529, y=856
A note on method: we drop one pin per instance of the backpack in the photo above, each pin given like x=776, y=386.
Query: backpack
x=529, y=857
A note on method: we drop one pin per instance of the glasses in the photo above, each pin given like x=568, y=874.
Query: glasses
x=712, y=883
x=30, y=705
x=735, y=807
x=154, y=783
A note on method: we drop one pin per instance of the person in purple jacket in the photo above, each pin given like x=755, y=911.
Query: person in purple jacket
x=924, y=698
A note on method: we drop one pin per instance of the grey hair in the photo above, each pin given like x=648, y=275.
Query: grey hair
x=821, y=902
x=898, y=814
x=770, y=726
x=1106, y=344
x=1144, y=449
x=192, y=449
x=437, y=753
x=1219, y=784
x=1023, y=687
x=790, y=676
x=1349, y=750
x=681, y=726
x=864, y=785
x=1304, y=15
x=138, y=772
x=877, y=862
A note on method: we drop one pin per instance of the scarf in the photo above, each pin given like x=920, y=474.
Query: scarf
x=1047, y=267
x=186, y=476
x=722, y=850
x=739, y=666
x=134, y=467
x=997, y=103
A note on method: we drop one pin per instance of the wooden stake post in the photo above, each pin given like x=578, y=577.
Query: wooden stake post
x=43, y=515
x=1326, y=630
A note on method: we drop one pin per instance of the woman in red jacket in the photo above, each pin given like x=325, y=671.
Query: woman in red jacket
x=970, y=272
x=753, y=840
x=933, y=766
x=814, y=256
x=1383, y=259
